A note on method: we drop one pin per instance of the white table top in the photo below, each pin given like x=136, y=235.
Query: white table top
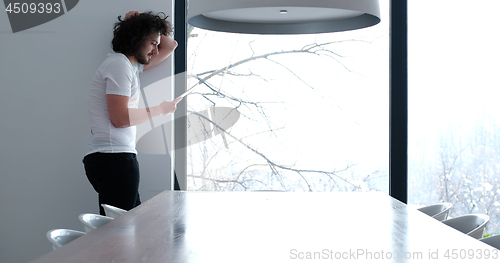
x=273, y=227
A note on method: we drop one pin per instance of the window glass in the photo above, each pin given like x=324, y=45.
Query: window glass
x=289, y=112
x=454, y=132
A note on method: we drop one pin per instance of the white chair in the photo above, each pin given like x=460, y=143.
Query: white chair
x=472, y=225
x=437, y=211
x=61, y=237
x=493, y=241
x=112, y=211
x=93, y=221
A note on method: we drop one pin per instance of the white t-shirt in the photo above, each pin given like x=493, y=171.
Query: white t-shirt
x=116, y=75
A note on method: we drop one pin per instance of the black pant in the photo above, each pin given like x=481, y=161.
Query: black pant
x=115, y=178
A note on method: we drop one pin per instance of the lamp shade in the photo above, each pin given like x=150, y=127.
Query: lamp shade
x=283, y=16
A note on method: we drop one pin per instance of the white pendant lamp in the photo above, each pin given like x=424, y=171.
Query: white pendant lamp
x=283, y=16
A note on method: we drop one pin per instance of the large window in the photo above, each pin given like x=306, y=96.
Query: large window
x=454, y=117
x=289, y=112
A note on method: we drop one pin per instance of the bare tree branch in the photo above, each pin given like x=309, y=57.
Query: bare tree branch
x=272, y=165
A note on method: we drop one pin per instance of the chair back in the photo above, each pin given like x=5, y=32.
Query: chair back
x=61, y=237
x=472, y=224
x=93, y=221
x=493, y=241
x=437, y=211
x=112, y=211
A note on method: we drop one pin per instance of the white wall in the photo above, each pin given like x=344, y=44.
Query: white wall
x=44, y=76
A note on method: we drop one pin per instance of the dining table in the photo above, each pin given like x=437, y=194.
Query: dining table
x=273, y=226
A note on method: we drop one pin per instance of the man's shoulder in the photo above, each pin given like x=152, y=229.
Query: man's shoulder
x=118, y=57
x=116, y=61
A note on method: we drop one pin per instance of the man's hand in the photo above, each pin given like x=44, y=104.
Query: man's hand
x=168, y=107
x=131, y=14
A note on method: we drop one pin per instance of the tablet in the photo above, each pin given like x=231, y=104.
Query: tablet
x=187, y=92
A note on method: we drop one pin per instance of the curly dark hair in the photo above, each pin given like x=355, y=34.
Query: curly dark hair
x=129, y=35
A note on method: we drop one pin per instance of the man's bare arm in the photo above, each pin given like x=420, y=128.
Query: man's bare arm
x=121, y=116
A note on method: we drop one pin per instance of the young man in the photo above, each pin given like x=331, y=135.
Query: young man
x=141, y=41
